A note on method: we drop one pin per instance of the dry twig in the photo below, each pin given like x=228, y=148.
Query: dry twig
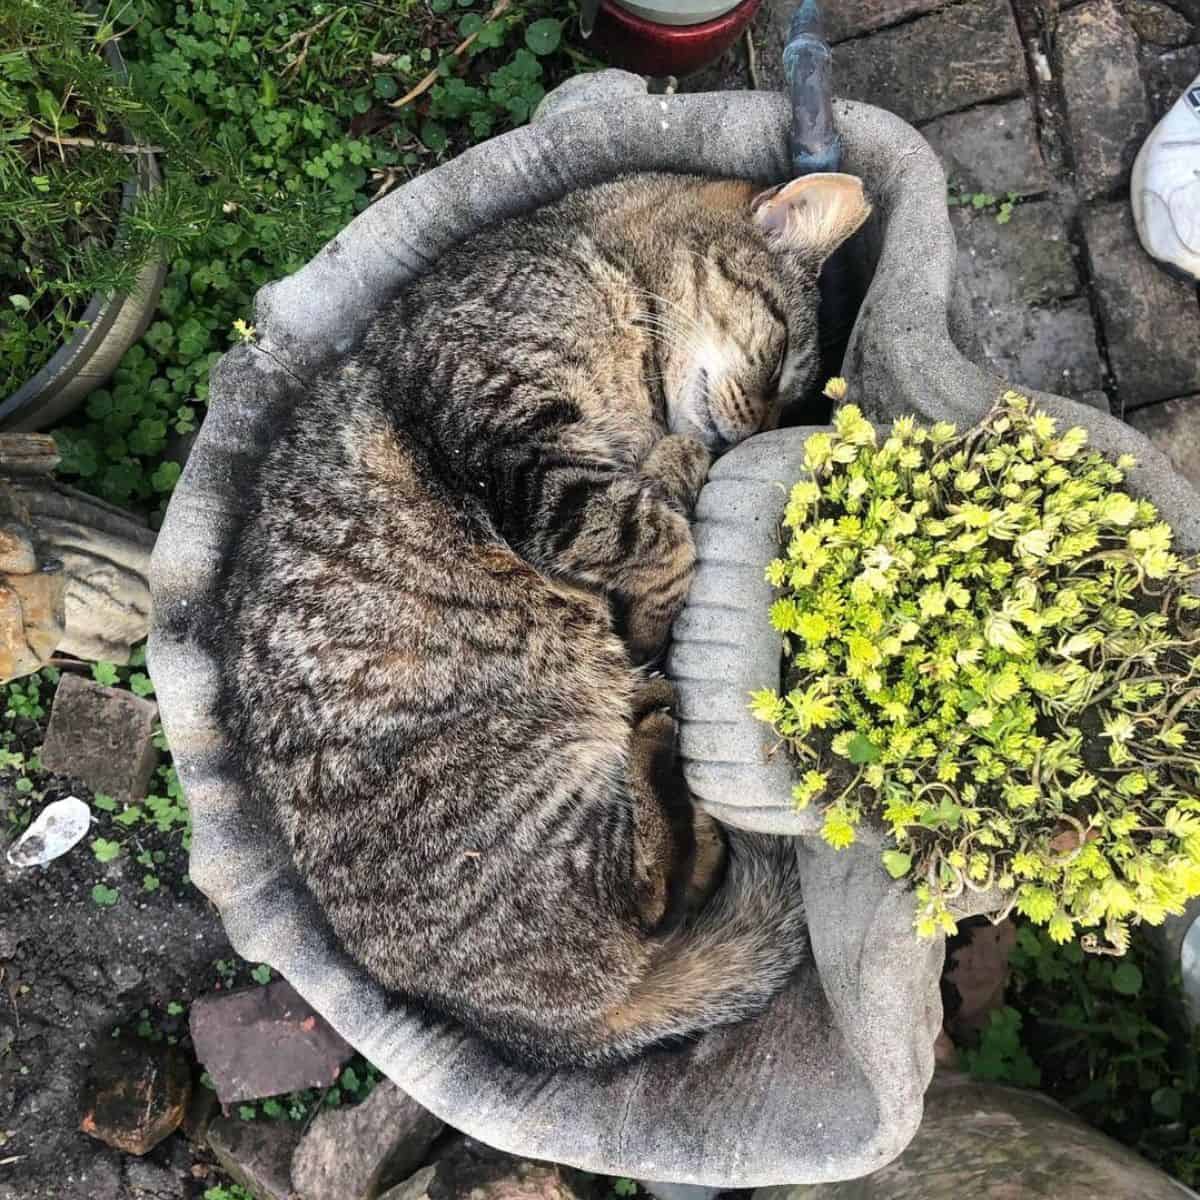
x=120, y=147
x=498, y=10
x=305, y=36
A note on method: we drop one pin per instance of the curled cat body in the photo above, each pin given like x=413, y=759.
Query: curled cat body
x=465, y=546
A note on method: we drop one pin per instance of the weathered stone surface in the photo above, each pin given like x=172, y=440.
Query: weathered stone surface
x=1174, y=427
x=148, y=1181
x=963, y=55
x=1108, y=115
x=1051, y=349
x=201, y=1111
x=1010, y=272
x=1096, y=399
x=352, y=1153
x=678, y=1191
x=996, y=1143
x=1167, y=75
x=414, y=1188
x=102, y=736
x=992, y=148
x=135, y=1094
x=1159, y=23
x=853, y=17
x=105, y=556
x=1028, y=260
x=256, y=1154
x=262, y=1041
x=977, y=974
x=1151, y=320
x=469, y=1170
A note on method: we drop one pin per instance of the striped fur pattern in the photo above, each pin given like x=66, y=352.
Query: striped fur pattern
x=466, y=548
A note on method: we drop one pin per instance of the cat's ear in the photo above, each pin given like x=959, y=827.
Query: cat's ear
x=813, y=215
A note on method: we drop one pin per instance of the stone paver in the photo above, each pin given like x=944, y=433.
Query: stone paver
x=1174, y=427
x=1158, y=23
x=1030, y=317
x=992, y=148
x=262, y=1041
x=352, y=1152
x=1168, y=74
x=1108, y=115
x=1064, y=298
x=965, y=54
x=1151, y=321
x=1028, y=260
x=850, y=18
x=1050, y=349
x=102, y=736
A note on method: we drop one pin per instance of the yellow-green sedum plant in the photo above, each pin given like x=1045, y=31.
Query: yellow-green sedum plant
x=993, y=648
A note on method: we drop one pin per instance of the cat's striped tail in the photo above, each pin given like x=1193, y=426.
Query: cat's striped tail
x=729, y=961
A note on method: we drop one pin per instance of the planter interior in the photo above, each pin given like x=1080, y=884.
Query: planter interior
x=827, y=1084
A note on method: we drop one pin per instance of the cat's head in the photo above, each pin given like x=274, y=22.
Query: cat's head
x=744, y=338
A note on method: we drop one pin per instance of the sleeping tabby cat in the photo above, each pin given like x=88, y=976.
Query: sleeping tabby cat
x=466, y=544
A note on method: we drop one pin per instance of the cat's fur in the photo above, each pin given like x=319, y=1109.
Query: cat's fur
x=466, y=538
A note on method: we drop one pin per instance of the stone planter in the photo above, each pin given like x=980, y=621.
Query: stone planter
x=107, y=327
x=826, y=1084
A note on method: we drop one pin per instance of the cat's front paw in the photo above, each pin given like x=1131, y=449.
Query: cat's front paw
x=679, y=465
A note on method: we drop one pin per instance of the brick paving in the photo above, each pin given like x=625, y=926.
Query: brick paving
x=1047, y=102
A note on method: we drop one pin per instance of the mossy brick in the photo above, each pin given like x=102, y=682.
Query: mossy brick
x=851, y=18
x=1027, y=259
x=1174, y=427
x=101, y=736
x=1108, y=114
x=1151, y=321
x=991, y=148
x=966, y=54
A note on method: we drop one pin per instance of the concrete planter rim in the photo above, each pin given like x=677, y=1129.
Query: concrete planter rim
x=713, y=1113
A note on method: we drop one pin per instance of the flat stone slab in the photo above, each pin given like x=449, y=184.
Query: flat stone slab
x=1151, y=320
x=1159, y=23
x=1108, y=115
x=135, y=1094
x=102, y=736
x=262, y=1041
x=1025, y=297
x=1048, y=349
x=356, y=1152
x=1167, y=75
x=993, y=148
x=1174, y=427
x=854, y=17
x=966, y=54
x=256, y=1155
x=1027, y=260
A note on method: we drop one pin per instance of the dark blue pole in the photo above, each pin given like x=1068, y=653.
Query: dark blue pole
x=808, y=68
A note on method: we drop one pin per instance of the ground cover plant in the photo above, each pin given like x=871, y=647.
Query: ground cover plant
x=994, y=649
x=279, y=122
x=1109, y=1039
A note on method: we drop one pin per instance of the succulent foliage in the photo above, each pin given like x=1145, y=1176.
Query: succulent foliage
x=995, y=650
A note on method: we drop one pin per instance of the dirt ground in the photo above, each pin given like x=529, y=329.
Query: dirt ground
x=71, y=972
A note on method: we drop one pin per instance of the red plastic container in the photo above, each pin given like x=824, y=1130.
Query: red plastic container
x=626, y=40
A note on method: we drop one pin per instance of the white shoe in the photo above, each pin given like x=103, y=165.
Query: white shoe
x=1165, y=190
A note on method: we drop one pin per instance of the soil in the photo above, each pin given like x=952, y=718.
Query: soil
x=71, y=972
